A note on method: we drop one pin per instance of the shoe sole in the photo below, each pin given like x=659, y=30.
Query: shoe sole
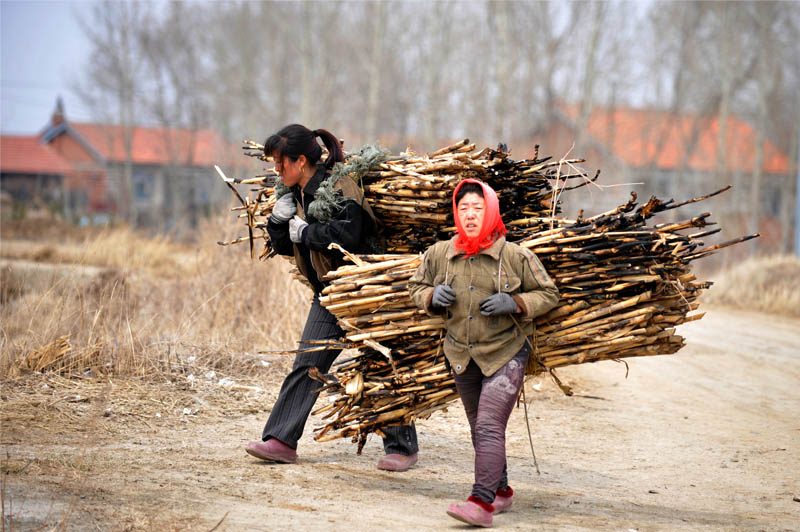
x=458, y=517
x=389, y=467
x=268, y=458
x=507, y=508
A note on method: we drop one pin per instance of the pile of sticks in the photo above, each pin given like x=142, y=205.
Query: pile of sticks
x=411, y=194
x=625, y=285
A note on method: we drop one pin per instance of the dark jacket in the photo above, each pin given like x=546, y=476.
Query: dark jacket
x=350, y=228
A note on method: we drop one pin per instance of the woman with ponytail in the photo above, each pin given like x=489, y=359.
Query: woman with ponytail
x=315, y=210
x=488, y=291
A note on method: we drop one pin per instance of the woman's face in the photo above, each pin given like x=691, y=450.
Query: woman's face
x=471, y=210
x=291, y=172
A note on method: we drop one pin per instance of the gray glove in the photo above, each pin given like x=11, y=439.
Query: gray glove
x=284, y=209
x=497, y=304
x=443, y=296
x=296, y=227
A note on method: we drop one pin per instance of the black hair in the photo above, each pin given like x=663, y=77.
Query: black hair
x=466, y=188
x=295, y=140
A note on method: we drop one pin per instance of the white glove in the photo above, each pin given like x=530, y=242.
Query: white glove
x=296, y=227
x=284, y=209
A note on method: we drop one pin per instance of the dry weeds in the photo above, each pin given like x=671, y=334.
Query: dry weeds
x=766, y=284
x=149, y=305
x=117, y=247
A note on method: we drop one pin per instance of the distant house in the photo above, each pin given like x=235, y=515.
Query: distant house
x=160, y=177
x=676, y=156
x=32, y=173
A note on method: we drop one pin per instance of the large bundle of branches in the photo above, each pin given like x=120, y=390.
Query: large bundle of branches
x=625, y=282
x=411, y=194
x=624, y=287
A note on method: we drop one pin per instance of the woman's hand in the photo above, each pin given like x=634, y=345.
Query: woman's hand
x=497, y=304
x=443, y=296
x=296, y=227
x=284, y=209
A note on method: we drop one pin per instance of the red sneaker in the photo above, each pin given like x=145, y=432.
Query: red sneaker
x=272, y=450
x=474, y=512
x=502, y=500
x=397, y=462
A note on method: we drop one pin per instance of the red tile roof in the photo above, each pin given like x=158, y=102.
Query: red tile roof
x=649, y=138
x=158, y=145
x=27, y=155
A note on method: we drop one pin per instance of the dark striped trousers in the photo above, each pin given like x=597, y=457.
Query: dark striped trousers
x=299, y=392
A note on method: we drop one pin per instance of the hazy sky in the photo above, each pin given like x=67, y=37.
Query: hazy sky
x=42, y=50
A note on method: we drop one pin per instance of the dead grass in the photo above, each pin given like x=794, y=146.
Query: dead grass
x=147, y=304
x=766, y=284
x=11, y=284
x=112, y=247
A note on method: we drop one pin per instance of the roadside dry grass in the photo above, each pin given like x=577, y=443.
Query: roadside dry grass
x=144, y=303
x=111, y=247
x=766, y=284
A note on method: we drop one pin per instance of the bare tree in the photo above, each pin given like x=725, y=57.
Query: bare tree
x=112, y=76
x=499, y=26
x=766, y=78
x=589, y=70
x=375, y=71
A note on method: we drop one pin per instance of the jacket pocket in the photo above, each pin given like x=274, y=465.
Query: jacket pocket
x=510, y=283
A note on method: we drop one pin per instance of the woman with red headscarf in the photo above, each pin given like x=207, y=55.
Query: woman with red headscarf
x=488, y=291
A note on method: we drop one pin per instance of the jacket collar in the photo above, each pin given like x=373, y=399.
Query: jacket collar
x=315, y=181
x=493, y=250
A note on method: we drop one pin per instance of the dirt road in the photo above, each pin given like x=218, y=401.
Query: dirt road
x=708, y=439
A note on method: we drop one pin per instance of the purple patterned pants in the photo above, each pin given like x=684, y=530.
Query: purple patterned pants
x=488, y=402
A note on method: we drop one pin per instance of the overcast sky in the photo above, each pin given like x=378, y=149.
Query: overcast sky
x=42, y=50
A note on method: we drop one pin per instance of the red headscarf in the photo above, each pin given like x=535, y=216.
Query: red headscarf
x=492, y=228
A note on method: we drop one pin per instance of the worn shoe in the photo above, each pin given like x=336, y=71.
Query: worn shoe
x=397, y=462
x=475, y=512
x=502, y=500
x=272, y=450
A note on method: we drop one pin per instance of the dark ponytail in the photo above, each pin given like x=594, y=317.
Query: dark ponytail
x=335, y=151
x=295, y=140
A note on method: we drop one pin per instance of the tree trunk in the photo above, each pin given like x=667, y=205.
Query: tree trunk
x=306, y=64
x=790, y=208
x=588, y=79
x=376, y=59
x=502, y=59
x=766, y=84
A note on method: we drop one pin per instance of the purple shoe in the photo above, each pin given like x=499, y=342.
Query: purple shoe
x=272, y=450
x=475, y=512
x=502, y=500
x=397, y=462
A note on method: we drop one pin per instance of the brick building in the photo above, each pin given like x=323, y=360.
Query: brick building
x=676, y=156
x=31, y=173
x=153, y=177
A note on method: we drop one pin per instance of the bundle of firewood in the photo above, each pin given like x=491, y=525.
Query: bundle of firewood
x=625, y=284
x=411, y=194
x=624, y=287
